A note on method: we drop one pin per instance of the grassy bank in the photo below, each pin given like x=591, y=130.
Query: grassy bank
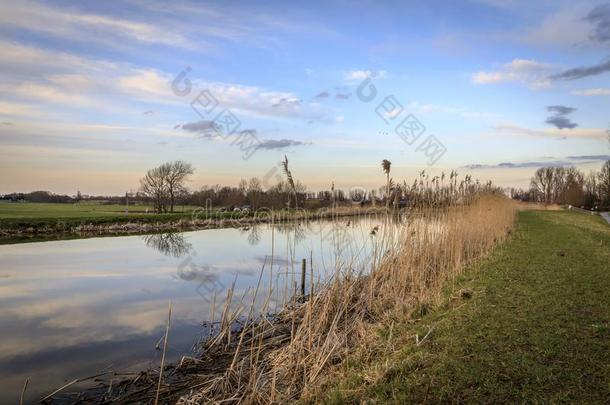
x=30, y=210
x=531, y=323
x=37, y=214
x=41, y=221
x=23, y=222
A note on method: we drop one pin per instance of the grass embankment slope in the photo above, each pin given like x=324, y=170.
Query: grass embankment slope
x=536, y=328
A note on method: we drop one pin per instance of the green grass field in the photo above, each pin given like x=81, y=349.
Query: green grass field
x=536, y=329
x=78, y=210
x=36, y=214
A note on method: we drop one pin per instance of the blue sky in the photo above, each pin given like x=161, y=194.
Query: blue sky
x=88, y=102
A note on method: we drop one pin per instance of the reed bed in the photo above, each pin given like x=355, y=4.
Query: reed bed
x=278, y=360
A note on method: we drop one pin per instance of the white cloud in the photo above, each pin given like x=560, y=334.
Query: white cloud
x=592, y=92
x=565, y=27
x=72, y=81
x=18, y=59
x=68, y=79
x=54, y=94
x=359, y=75
x=253, y=100
x=145, y=83
x=529, y=72
x=54, y=81
x=12, y=109
x=390, y=115
x=420, y=108
x=86, y=27
x=488, y=77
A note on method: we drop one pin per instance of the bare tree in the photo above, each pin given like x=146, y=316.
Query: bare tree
x=558, y=184
x=573, y=192
x=542, y=183
x=165, y=182
x=243, y=186
x=254, y=190
x=177, y=174
x=591, y=189
x=604, y=184
x=568, y=185
x=154, y=185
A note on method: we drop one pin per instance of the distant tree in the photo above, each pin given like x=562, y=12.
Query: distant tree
x=373, y=196
x=177, y=174
x=573, y=189
x=165, y=183
x=568, y=185
x=154, y=185
x=604, y=184
x=357, y=195
x=591, y=190
x=42, y=197
x=242, y=186
x=542, y=183
x=254, y=191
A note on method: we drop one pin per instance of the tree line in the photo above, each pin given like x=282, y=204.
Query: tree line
x=165, y=186
x=568, y=186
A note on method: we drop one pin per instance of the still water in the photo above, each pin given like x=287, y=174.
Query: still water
x=70, y=309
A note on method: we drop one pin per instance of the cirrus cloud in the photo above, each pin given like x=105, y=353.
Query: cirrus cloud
x=567, y=161
x=600, y=17
x=358, y=75
x=583, y=71
x=532, y=73
x=270, y=144
x=592, y=92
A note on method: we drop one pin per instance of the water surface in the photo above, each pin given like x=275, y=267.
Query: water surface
x=73, y=308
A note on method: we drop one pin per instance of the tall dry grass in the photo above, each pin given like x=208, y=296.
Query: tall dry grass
x=277, y=361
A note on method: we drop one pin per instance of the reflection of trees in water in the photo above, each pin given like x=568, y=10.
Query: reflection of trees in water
x=278, y=260
x=170, y=244
x=298, y=230
x=337, y=233
x=254, y=234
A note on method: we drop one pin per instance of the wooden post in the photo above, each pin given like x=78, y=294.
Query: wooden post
x=303, y=271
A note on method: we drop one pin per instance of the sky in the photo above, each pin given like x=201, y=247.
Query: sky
x=96, y=93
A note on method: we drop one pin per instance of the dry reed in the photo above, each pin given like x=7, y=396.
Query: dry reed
x=279, y=359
